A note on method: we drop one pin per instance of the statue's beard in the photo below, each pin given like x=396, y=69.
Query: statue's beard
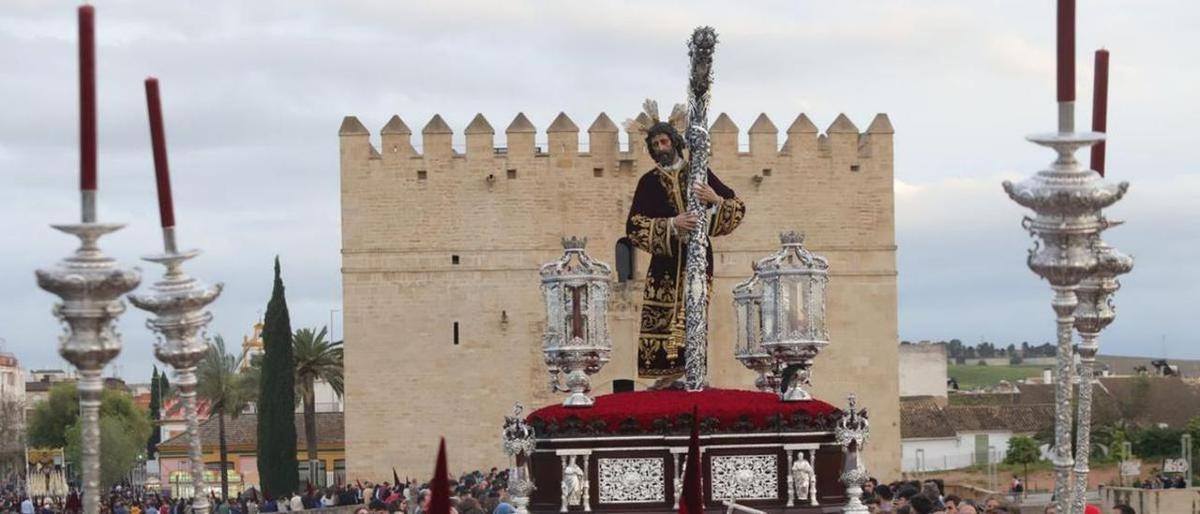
x=665, y=158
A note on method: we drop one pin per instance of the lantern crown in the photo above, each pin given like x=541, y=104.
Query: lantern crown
x=794, y=251
x=791, y=238
x=854, y=426
x=574, y=243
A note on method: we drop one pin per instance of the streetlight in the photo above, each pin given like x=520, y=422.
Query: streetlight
x=331, y=311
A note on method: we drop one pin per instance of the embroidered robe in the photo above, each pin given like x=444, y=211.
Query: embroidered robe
x=660, y=196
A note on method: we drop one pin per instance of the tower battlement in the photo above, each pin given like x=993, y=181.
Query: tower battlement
x=562, y=136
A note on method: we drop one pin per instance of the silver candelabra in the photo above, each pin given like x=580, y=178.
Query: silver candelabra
x=178, y=303
x=851, y=432
x=519, y=444
x=90, y=285
x=1067, y=199
x=1094, y=312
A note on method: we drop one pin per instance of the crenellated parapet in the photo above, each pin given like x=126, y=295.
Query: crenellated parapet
x=842, y=140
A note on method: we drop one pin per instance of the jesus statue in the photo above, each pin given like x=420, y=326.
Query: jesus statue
x=660, y=224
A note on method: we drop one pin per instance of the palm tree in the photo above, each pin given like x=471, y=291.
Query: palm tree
x=316, y=359
x=227, y=392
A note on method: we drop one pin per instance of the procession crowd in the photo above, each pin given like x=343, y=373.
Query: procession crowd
x=473, y=493
x=916, y=497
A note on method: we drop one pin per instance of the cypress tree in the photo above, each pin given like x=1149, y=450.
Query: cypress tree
x=164, y=388
x=277, y=467
x=155, y=415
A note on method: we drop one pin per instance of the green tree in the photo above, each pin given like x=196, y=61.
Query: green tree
x=155, y=414
x=277, y=398
x=47, y=427
x=124, y=429
x=1024, y=451
x=316, y=359
x=228, y=393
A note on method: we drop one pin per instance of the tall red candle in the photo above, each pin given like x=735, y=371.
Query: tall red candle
x=1100, y=108
x=158, y=140
x=87, y=98
x=1066, y=50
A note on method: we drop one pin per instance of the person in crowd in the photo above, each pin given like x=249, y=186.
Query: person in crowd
x=296, y=504
x=952, y=502
x=992, y=502
x=904, y=494
x=1121, y=508
x=921, y=504
x=886, y=498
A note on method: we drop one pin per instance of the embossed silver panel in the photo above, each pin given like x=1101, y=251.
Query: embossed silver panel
x=632, y=480
x=745, y=477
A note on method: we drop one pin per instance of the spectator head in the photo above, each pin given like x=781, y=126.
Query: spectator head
x=905, y=494
x=884, y=493
x=952, y=501
x=967, y=507
x=992, y=502
x=1121, y=508
x=921, y=504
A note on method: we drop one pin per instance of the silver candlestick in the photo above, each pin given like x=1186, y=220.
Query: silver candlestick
x=90, y=285
x=178, y=303
x=1067, y=199
x=851, y=432
x=519, y=444
x=1094, y=312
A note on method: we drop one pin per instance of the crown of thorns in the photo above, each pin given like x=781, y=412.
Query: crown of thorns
x=651, y=118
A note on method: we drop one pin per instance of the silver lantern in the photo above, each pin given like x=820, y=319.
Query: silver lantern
x=748, y=349
x=576, y=341
x=793, y=311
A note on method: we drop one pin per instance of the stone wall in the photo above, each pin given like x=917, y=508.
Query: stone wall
x=923, y=370
x=1152, y=501
x=439, y=241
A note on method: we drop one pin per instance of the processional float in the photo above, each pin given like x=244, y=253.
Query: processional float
x=777, y=447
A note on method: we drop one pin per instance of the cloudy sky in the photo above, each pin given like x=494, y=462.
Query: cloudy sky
x=254, y=93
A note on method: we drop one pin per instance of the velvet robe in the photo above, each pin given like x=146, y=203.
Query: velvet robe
x=660, y=196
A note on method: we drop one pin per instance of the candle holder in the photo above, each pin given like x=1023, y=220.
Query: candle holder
x=1094, y=312
x=90, y=284
x=851, y=432
x=178, y=302
x=1067, y=199
x=519, y=443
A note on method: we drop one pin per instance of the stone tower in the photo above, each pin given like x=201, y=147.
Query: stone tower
x=440, y=253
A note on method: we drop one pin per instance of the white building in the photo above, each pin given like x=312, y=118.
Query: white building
x=12, y=416
x=936, y=436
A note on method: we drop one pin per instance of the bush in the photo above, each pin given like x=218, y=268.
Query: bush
x=981, y=363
